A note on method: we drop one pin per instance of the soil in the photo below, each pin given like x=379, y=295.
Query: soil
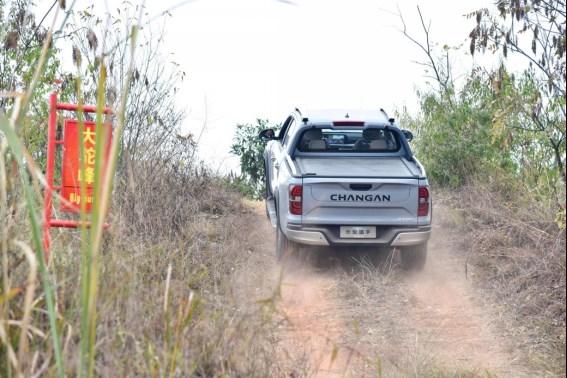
x=355, y=312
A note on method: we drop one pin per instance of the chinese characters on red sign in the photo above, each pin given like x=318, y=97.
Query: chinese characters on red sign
x=72, y=174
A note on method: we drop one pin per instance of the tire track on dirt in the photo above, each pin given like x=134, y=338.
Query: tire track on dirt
x=312, y=326
x=311, y=330
x=350, y=318
x=450, y=325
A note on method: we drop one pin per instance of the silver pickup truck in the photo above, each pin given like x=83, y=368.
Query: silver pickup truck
x=346, y=178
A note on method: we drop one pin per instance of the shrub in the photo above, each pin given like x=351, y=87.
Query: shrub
x=250, y=149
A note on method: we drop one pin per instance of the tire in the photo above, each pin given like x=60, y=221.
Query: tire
x=414, y=257
x=284, y=247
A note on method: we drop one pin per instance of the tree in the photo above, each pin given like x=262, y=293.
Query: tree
x=21, y=38
x=153, y=118
x=250, y=149
x=466, y=131
x=439, y=64
x=535, y=31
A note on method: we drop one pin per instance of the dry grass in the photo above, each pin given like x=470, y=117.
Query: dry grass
x=155, y=202
x=516, y=249
x=166, y=306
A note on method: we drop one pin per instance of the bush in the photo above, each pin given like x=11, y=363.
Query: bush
x=456, y=137
x=250, y=149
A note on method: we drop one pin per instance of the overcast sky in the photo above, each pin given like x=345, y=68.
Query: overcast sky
x=248, y=59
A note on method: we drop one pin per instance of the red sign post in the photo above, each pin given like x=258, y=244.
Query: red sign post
x=75, y=170
x=72, y=176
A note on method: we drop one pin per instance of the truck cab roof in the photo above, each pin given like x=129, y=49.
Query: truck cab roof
x=348, y=125
x=374, y=117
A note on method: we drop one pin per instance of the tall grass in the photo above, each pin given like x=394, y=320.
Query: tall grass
x=31, y=201
x=155, y=289
x=103, y=184
x=516, y=251
x=28, y=176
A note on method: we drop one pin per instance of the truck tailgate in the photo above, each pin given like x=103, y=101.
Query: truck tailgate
x=359, y=191
x=360, y=201
x=356, y=167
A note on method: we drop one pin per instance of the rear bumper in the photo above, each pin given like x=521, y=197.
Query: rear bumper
x=307, y=237
x=392, y=236
x=410, y=238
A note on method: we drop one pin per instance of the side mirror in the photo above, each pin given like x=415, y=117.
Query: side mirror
x=408, y=134
x=266, y=135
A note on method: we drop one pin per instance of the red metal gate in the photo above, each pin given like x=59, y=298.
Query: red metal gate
x=72, y=174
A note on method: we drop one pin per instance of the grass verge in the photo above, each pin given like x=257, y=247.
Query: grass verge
x=515, y=250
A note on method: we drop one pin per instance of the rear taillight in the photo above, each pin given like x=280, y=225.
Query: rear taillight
x=423, y=202
x=296, y=199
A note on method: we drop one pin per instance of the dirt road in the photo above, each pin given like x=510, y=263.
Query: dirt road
x=350, y=313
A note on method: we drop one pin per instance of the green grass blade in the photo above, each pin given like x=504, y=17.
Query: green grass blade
x=16, y=147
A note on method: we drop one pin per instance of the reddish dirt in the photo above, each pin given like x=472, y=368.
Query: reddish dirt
x=343, y=316
x=303, y=304
x=451, y=325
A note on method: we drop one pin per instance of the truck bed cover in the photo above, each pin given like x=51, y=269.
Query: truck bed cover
x=357, y=167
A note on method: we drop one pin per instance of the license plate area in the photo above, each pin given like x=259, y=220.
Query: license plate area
x=358, y=232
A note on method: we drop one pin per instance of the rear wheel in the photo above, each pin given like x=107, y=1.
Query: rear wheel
x=284, y=246
x=414, y=257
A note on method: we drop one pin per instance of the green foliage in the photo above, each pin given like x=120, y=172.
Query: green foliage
x=497, y=124
x=22, y=39
x=239, y=184
x=458, y=139
x=482, y=132
x=250, y=149
x=533, y=31
x=536, y=133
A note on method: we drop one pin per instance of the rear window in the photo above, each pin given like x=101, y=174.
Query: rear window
x=348, y=140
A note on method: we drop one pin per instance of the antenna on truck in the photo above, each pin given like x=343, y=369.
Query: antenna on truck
x=303, y=119
x=391, y=120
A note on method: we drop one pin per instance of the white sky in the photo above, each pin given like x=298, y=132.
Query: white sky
x=251, y=59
